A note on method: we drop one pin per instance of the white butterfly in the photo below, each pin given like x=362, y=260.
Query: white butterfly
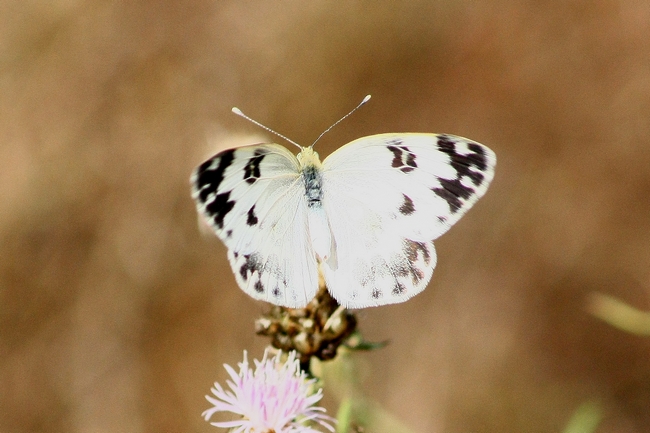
x=368, y=214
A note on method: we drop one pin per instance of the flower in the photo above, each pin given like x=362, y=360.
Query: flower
x=275, y=398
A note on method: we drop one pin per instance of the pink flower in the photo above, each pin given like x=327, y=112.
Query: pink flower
x=275, y=398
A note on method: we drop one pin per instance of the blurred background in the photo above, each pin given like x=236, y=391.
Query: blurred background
x=117, y=313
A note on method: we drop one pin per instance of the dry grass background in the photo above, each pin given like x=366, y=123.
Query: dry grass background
x=116, y=314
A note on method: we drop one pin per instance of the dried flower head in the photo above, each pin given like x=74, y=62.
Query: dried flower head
x=316, y=330
x=277, y=397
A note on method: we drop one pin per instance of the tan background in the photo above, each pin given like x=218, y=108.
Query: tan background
x=116, y=314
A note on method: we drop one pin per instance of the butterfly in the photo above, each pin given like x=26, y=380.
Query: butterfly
x=365, y=217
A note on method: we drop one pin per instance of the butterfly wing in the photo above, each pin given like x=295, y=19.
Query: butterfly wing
x=254, y=200
x=387, y=197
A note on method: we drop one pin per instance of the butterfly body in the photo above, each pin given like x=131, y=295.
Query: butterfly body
x=312, y=177
x=366, y=216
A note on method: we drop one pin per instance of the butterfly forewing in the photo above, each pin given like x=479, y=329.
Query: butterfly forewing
x=399, y=192
x=457, y=170
x=253, y=197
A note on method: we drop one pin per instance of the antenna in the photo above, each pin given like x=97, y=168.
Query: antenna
x=366, y=99
x=238, y=112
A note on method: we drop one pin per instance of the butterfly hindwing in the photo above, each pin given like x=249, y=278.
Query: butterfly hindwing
x=253, y=198
x=398, y=193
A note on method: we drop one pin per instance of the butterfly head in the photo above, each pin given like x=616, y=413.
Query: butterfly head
x=308, y=157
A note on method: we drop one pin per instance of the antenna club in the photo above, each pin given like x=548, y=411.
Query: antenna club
x=237, y=111
x=366, y=99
